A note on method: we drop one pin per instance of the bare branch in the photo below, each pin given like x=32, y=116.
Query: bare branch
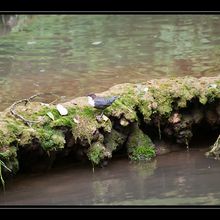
x=25, y=101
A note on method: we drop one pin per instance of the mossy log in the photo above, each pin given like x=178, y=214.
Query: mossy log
x=171, y=107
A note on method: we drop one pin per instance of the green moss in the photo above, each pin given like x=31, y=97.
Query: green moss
x=50, y=139
x=163, y=100
x=88, y=112
x=203, y=99
x=63, y=121
x=142, y=153
x=97, y=152
x=187, y=93
x=9, y=157
x=125, y=105
x=87, y=124
x=213, y=93
x=82, y=130
x=9, y=132
x=114, y=139
x=139, y=145
x=210, y=94
x=27, y=136
x=145, y=109
x=15, y=128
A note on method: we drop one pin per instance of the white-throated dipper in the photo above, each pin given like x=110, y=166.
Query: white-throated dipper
x=100, y=102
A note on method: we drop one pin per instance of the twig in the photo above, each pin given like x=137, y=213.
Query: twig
x=13, y=112
x=26, y=121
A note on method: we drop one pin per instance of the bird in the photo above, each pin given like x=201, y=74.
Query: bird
x=100, y=102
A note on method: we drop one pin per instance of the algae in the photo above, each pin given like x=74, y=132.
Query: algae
x=139, y=145
x=97, y=152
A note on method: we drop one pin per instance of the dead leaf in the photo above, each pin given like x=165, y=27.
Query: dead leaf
x=50, y=115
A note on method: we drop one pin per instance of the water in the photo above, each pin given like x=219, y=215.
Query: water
x=73, y=55
x=178, y=178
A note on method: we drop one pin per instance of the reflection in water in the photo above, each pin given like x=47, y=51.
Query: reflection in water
x=105, y=190
x=177, y=178
x=73, y=55
x=7, y=22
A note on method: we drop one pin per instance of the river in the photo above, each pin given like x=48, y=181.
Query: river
x=178, y=178
x=73, y=55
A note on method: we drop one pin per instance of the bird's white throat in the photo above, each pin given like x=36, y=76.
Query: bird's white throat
x=91, y=101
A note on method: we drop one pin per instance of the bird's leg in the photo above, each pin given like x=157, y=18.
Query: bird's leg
x=102, y=114
x=99, y=117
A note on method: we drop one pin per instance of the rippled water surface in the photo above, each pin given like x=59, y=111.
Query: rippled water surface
x=178, y=178
x=73, y=55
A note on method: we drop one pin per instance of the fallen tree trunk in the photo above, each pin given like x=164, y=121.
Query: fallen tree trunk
x=157, y=109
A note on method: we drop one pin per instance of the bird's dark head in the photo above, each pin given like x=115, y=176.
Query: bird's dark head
x=92, y=95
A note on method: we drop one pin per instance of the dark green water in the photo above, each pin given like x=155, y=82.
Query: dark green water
x=73, y=55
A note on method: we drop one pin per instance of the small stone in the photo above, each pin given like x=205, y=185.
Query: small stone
x=99, y=118
x=175, y=118
x=154, y=105
x=105, y=118
x=146, y=89
x=214, y=86
x=61, y=109
x=124, y=122
x=76, y=121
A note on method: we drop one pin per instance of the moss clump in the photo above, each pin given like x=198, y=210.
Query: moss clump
x=139, y=145
x=87, y=124
x=27, y=136
x=212, y=92
x=124, y=105
x=9, y=133
x=10, y=130
x=48, y=138
x=209, y=92
x=63, y=121
x=51, y=139
x=97, y=152
x=114, y=140
x=170, y=93
x=215, y=149
x=9, y=156
x=163, y=100
x=81, y=120
x=145, y=108
x=187, y=90
x=142, y=153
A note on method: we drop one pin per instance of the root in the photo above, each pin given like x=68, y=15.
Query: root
x=25, y=101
